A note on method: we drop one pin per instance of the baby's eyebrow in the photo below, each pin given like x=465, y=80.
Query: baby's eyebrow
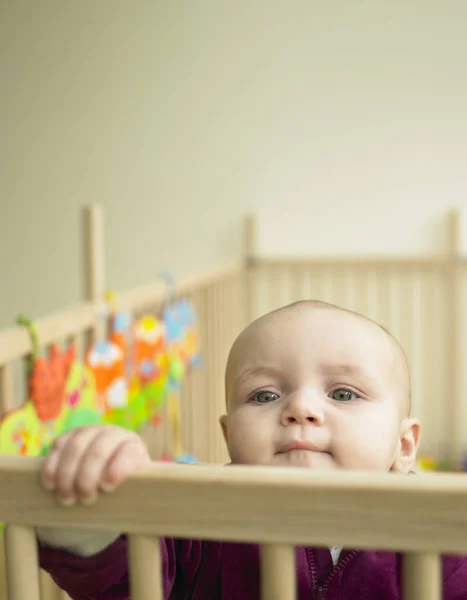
x=350, y=370
x=344, y=369
x=267, y=370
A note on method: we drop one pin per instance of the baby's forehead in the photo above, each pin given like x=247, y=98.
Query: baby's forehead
x=332, y=330
x=319, y=324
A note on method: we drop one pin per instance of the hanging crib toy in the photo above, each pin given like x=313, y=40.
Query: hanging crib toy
x=126, y=380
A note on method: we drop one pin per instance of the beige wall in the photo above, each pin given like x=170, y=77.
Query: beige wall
x=179, y=116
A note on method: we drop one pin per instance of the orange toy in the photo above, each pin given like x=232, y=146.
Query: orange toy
x=48, y=380
x=107, y=362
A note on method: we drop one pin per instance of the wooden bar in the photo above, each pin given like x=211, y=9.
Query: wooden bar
x=278, y=578
x=74, y=340
x=22, y=563
x=15, y=342
x=250, y=250
x=369, y=263
x=156, y=291
x=274, y=290
x=220, y=354
x=420, y=514
x=422, y=577
x=7, y=390
x=211, y=361
x=455, y=336
x=48, y=588
x=94, y=266
x=93, y=247
x=298, y=277
x=145, y=562
x=361, y=291
x=433, y=415
x=200, y=408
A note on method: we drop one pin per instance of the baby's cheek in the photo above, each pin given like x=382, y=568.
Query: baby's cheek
x=247, y=442
x=370, y=449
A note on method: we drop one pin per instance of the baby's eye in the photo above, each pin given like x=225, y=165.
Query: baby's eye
x=264, y=397
x=343, y=395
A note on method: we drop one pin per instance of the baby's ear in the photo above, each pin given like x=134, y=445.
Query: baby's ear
x=223, y=422
x=409, y=441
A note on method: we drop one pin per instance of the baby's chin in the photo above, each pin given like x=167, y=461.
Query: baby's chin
x=305, y=458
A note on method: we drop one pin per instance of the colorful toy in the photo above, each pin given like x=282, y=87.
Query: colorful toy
x=123, y=380
x=430, y=464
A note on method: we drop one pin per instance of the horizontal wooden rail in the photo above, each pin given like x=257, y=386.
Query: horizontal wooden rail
x=157, y=291
x=361, y=262
x=15, y=342
x=427, y=513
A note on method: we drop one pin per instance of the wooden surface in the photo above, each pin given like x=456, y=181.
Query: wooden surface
x=15, y=342
x=422, y=577
x=94, y=266
x=145, y=562
x=250, y=253
x=396, y=262
x=427, y=513
x=455, y=334
x=278, y=578
x=7, y=389
x=156, y=291
x=22, y=563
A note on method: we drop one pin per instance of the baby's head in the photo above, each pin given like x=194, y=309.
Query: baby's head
x=317, y=386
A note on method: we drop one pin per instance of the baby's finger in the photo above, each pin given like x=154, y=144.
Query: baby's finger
x=51, y=461
x=71, y=457
x=130, y=456
x=98, y=455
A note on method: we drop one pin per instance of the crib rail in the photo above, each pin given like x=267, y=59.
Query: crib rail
x=278, y=508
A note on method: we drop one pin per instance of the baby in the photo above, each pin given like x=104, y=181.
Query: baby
x=308, y=385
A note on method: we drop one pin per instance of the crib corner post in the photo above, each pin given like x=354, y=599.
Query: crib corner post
x=94, y=261
x=456, y=274
x=250, y=255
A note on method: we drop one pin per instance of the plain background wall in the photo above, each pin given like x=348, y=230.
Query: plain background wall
x=342, y=123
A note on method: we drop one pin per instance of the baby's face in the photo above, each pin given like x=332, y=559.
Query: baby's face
x=319, y=388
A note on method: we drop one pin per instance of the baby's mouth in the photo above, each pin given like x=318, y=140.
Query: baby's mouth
x=300, y=445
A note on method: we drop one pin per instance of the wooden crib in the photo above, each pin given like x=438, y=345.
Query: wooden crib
x=421, y=299
x=419, y=516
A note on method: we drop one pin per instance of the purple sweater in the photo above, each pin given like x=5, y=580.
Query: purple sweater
x=224, y=571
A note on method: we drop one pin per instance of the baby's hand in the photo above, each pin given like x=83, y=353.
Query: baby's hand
x=89, y=460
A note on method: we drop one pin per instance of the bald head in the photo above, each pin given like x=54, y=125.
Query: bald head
x=258, y=329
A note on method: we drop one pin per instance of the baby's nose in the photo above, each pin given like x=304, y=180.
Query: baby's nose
x=303, y=409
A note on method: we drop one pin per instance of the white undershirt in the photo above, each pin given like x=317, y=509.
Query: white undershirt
x=335, y=553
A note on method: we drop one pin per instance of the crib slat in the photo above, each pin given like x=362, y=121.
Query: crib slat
x=7, y=394
x=22, y=563
x=49, y=590
x=422, y=576
x=278, y=572
x=144, y=555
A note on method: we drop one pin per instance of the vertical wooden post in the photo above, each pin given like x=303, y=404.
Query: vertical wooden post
x=422, y=577
x=22, y=563
x=455, y=313
x=250, y=241
x=144, y=555
x=278, y=578
x=94, y=263
x=7, y=392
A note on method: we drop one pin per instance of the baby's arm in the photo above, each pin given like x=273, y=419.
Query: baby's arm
x=82, y=464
